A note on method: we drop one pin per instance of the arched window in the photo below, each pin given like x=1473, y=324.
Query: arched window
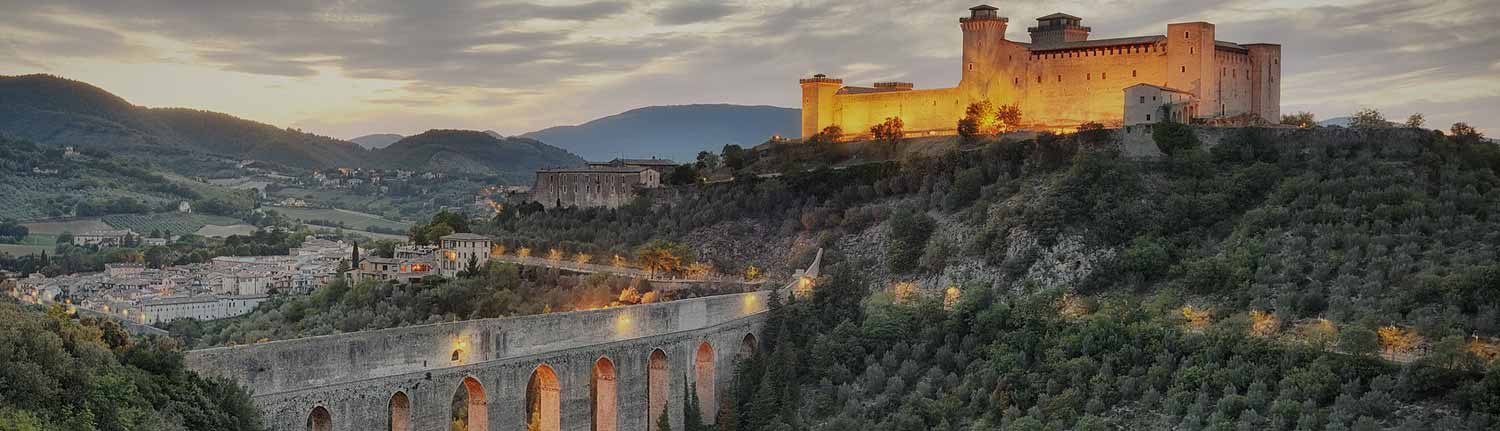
x=399, y=413
x=319, y=419
x=657, y=381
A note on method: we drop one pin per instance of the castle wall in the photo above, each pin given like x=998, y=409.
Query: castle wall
x=1235, y=82
x=1067, y=88
x=920, y=110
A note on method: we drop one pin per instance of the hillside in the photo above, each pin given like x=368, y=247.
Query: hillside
x=672, y=132
x=55, y=111
x=1216, y=279
x=378, y=140
x=474, y=152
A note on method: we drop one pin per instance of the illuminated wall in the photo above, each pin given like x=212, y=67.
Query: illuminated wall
x=1061, y=84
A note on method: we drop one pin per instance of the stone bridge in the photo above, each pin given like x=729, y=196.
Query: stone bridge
x=597, y=370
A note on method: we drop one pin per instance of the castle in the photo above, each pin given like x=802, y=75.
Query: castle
x=1063, y=79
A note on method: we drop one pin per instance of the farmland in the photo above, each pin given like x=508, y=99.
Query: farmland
x=174, y=223
x=340, y=218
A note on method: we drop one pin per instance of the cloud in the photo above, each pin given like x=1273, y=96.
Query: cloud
x=519, y=66
x=693, y=12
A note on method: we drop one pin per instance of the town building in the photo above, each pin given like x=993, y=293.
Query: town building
x=103, y=238
x=200, y=307
x=402, y=270
x=1148, y=103
x=459, y=249
x=593, y=186
x=661, y=166
x=1061, y=79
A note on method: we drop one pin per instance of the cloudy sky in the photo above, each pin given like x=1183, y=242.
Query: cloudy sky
x=350, y=67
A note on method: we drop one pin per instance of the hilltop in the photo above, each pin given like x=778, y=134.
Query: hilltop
x=54, y=111
x=473, y=152
x=672, y=132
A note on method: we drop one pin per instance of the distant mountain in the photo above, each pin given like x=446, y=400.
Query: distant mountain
x=474, y=152
x=378, y=140
x=495, y=134
x=673, y=132
x=51, y=110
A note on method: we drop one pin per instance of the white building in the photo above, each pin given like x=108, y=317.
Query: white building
x=459, y=249
x=1146, y=104
x=102, y=237
x=202, y=307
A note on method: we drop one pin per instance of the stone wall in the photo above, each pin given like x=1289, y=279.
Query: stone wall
x=355, y=375
x=585, y=188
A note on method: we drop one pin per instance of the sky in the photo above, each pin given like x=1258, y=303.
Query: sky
x=346, y=68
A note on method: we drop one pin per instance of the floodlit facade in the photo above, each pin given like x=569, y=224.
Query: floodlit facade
x=1061, y=78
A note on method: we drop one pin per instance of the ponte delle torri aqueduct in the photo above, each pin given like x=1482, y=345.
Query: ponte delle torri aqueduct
x=596, y=370
x=1062, y=79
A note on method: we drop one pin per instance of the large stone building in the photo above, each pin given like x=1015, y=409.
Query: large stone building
x=1061, y=79
x=600, y=184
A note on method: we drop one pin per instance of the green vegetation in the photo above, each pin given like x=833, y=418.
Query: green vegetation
x=330, y=217
x=38, y=182
x=495, y=290
x=996, y=360
x=66, y=258
x=58, y=372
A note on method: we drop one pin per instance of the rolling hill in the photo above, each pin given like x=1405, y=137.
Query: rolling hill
x=673, y=132
x=474, y=152
x=50, y=110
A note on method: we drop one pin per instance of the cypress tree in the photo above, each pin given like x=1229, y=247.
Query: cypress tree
x=663, y=423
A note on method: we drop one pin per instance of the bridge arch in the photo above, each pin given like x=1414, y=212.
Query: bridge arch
x=399, y=409
x=657, y=382
x=475, y=410
x=543, y=400
x=747, y=347
x=704, y=382
x=319, y=419
x=602, y=385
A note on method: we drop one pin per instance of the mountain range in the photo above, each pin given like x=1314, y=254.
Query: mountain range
x=676, y=132
x=50, y=110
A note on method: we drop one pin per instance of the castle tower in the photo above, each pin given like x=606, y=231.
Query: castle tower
x=1058, y=28
x=984, y=37
x=1265, y=84
x=1190, y=65
x=818, y=103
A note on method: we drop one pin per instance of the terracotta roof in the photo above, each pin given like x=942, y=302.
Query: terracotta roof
x=1058, y=15
x=464, y=236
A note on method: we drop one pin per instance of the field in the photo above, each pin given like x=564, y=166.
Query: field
x=174, y=223
x=72, y=226
x=350, y=219
x=220, y=231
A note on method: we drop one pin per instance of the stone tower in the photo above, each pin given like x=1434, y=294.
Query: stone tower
x=818, y=103
x=1190, y=64
x=984, y=34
